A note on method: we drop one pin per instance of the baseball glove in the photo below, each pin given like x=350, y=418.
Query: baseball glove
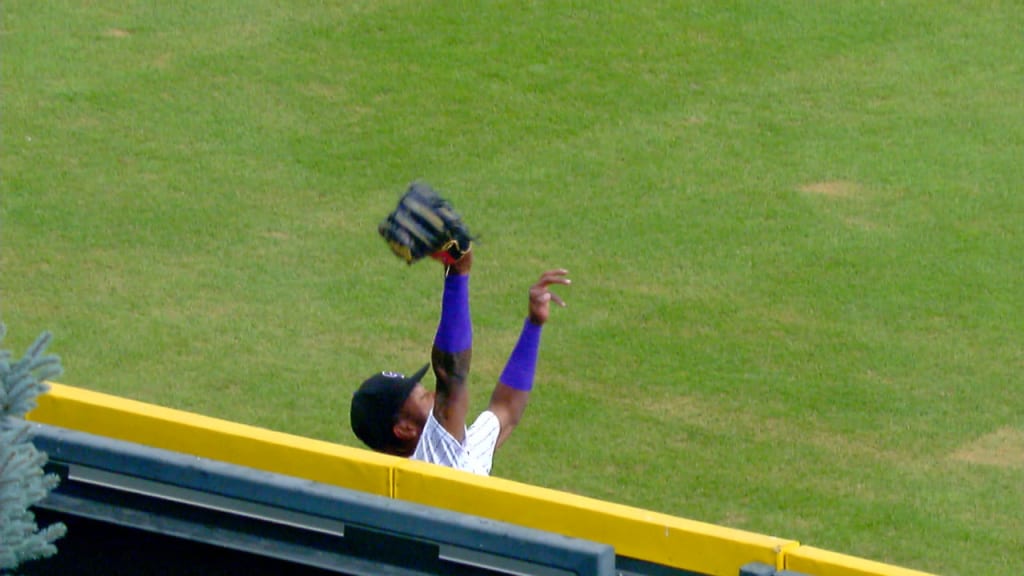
x=425, y=224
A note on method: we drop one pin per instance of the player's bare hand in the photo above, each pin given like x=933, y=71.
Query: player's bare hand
x=541, y=295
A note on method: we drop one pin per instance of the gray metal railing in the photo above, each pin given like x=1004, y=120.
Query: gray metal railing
x=293, y=519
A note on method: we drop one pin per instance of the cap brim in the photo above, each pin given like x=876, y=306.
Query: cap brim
x=415, y=378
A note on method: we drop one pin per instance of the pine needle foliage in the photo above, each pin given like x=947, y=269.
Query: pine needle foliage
x=22, y=479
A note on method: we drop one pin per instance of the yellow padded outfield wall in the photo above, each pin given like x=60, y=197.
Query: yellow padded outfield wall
x=188, y=433
x=641, y=534
x=637, y=533
x=811, y=560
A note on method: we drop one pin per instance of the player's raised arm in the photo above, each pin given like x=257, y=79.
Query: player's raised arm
x=453, y=349
x=512, y=393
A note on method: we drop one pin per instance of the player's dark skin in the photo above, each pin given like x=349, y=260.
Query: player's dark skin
x=450, y=401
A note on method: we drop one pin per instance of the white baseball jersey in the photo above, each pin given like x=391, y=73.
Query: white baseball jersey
x=476, y=454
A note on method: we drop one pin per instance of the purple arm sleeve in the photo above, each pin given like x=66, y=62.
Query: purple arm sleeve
x=455, y=331
x=522, y=364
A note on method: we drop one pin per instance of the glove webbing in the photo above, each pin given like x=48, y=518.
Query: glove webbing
x=422, y=223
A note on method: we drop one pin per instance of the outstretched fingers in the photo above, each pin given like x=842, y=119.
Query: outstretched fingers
x=541, y=295
x=556, y=276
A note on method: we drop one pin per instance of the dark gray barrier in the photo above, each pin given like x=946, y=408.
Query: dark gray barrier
x=299, y=521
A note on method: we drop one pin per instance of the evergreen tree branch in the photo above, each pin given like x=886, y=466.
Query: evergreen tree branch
x=23, y=482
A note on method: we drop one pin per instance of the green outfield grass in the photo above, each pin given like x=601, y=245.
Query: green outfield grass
x=794, y=231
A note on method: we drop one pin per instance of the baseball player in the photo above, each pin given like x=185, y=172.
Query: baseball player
x=398, y=415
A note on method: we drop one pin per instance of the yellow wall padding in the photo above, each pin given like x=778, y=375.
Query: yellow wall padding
x=637, y=533
x=811, y=560
x=159, y=427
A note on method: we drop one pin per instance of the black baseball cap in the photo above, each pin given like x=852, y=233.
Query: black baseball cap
x=375, y=406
